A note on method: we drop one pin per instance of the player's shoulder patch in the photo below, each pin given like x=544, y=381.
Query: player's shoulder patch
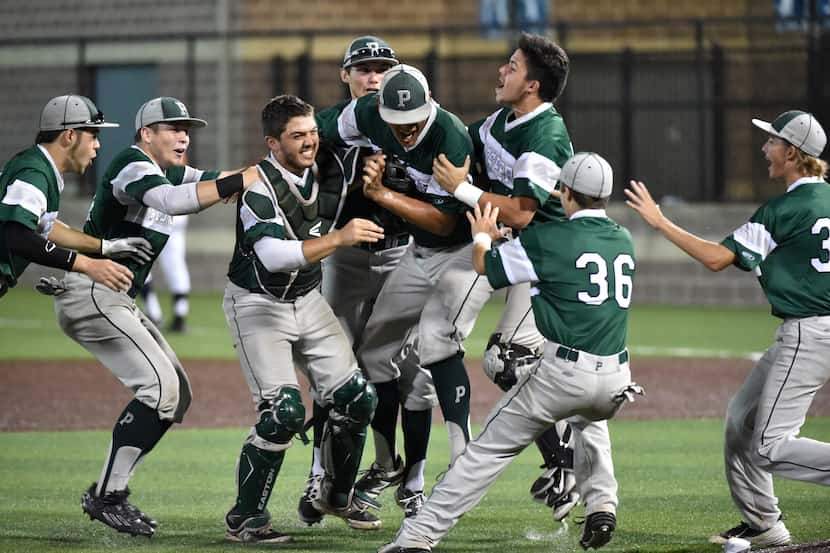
x=260, y=204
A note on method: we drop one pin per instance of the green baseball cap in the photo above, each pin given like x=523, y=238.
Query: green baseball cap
x=799, y=128
x=165, y=109
x=588, y=173
x=368, y=48
x=71, y=111
x=404, y=96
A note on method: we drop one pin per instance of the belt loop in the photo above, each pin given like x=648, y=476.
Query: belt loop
x=623, y=357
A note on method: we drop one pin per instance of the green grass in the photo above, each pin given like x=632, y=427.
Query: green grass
x=672, y=495
x=28, y=330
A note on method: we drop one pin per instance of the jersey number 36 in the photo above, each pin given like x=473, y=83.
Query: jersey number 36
x=622, y=281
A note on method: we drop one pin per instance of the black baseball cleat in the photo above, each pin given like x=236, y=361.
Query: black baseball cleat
x=178, y=325
x=115, y=511
x=599, y=527
x=255, y=528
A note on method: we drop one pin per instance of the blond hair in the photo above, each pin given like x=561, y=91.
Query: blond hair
x=810, y=166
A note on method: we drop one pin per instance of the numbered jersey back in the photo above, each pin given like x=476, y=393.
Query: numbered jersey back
x=586, y=279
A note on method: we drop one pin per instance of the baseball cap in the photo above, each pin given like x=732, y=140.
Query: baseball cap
x=368, y=48
x=404, y=96
x=165, y=109
x=799, y=128
x=588, y=173
x=71, y=111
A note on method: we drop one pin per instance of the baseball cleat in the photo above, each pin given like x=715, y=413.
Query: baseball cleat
x=254, y=529
x=376, y=478
x=411, y=502
x=393, y=547
x=774, y=536
x=599, y=527
x=305, y=510
x=356, y=517
x=115, y=511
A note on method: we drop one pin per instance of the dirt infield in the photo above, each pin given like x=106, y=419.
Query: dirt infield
x=75, y=395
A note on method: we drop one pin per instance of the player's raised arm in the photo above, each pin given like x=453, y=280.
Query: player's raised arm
x=714, y=256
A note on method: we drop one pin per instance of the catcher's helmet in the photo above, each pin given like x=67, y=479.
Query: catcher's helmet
x=369, y=48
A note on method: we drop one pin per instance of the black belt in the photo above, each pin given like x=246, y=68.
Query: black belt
x=573, y=354
x=394, y=241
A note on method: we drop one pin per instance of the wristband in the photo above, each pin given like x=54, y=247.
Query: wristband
x=467, y=193
x=484, y=239
x=230, y=185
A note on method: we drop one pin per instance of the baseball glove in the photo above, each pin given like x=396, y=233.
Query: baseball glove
x=396, y=178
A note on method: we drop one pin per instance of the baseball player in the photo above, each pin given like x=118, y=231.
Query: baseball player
x=144, y=186
x=173, y=262
x=786, y=243
x=353, y=277
x=581, y=269
x=411, y=129
x=278, y=317
x=30, y=188
x=520, y=149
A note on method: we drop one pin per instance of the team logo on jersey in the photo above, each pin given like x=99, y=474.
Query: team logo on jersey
x=315, y=229
x=404, y=96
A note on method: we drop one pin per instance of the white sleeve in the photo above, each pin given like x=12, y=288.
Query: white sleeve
x=173, y=200
x=280, y=255
x=347, y=127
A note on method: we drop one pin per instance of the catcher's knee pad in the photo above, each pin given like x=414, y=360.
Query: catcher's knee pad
x=353, y=404
x=279, y=419
x=506, y=363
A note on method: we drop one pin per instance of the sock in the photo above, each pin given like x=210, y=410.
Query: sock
x=181, y=305
x=416, y=426
x=134, y=435
x=256, y=474
x=452, y=385
x=384, y=423
x=319, y=414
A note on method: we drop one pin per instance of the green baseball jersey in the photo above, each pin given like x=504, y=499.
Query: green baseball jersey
x=582, y=271
x=359, y=124
x=30, y=192
x=118, y=210
x=524, y=156
x=786, y=243
x=284, y=206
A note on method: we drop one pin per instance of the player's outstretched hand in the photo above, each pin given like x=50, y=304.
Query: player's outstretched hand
x=358, y=231
x=109, y=273
x=640, y=200
x=448, y=175
x=485, y=221
x=373, y=168
x=134, y=248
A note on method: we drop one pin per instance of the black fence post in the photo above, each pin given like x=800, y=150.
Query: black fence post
x=431, y=61
x=305, y=88
x=627, y=113
x=190, y=93
x=277, y=75
x=718, y=124
x=703, y=188
x=86, y=87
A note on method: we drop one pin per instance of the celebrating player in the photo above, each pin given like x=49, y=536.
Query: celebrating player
x=403, y=121
x=142, y=188
x=30, y=188
x=353, y=277
x=278, y=317
x=583, y=269
x=786, y=243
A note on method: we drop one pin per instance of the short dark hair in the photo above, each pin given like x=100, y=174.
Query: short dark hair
x=279, y=110
x=47, y=137
x=547, y=62
x=588, y=202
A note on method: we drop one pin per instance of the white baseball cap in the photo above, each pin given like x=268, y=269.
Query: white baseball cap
x=588, y=173
x=71, y=111
x=165, y=109
x=799, y=128
x=404, y=96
